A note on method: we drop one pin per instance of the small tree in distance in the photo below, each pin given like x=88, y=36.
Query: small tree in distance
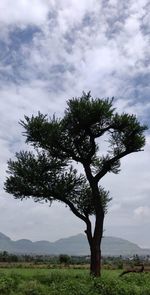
x=64, y=259
x=48, y=174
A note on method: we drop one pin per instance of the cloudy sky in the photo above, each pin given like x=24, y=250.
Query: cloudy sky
x=50, y=51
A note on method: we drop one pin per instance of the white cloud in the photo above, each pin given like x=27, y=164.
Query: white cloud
x=98, y=62
x=24, y=12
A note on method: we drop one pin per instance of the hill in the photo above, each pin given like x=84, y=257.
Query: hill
x=75, y=245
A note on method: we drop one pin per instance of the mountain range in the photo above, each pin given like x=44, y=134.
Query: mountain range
x=75, y=245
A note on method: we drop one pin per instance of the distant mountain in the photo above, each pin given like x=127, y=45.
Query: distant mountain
x=75, y=245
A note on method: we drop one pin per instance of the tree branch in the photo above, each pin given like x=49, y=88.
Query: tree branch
x=71, y=154
x=86, y=219
x=107, y=165
x=93, y=145
x=74, y=210
x=100, y=133
x=88, y=173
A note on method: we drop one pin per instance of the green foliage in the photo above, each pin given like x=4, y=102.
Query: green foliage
x=64, y=259
x=33, y=287
x=72, y=282
x=7, y=285
x=128, y=134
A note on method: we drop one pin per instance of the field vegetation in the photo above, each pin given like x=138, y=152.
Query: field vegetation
x=71, y=281
x=69, y=275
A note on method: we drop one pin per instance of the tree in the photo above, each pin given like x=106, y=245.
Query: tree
x=64, y=259
x=48, y=173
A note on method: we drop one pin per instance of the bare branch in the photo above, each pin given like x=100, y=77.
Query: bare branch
x=74, y=210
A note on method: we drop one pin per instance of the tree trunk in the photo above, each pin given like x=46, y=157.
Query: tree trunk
x=95, y=265
x=95, y=247
x=95, y=244
x=95, y=239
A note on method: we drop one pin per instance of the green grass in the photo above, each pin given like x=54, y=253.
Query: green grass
x=71, y=282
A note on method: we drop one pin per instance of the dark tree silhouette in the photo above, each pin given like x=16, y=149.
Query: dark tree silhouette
x=48, y=173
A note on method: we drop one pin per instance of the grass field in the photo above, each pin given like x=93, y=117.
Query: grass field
x=71, y=282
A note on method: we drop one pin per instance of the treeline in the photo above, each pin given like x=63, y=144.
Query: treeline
x=61, y=259
x=108, y=262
